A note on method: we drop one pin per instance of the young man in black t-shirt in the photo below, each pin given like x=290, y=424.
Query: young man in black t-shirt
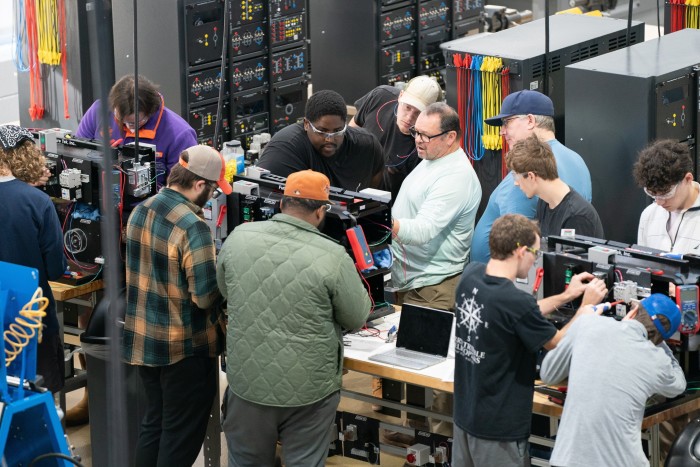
x=499, y=331
x=389, y=114
x=560, y=206
x=350, y=157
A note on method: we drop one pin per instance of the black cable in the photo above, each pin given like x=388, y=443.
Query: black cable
x=56, y=455
x=545, y=80
x=629, y=24
x=137, y=117
x=222, y=81
x=658, y=18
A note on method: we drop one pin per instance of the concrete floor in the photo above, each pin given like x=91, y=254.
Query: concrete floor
x=79, y=437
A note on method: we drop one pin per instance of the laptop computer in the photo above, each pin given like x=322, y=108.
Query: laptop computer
x=423, y=338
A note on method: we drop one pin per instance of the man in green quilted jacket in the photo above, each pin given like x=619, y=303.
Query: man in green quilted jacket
x=290, y=290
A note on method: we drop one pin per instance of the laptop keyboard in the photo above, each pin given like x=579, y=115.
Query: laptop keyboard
x=408, y=359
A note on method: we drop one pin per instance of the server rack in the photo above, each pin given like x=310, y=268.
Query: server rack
x=390, y=40
x=621, y=102
x=264, y=71
x=179, y=48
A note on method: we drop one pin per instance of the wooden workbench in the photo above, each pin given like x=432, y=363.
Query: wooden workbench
x=64, y=292
x=541, y=404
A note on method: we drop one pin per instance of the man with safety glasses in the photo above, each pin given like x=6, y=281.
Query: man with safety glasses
x=350, y=157
x=388, y=113
x=672, y=221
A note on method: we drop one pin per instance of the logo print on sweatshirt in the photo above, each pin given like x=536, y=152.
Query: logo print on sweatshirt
x=470, y=313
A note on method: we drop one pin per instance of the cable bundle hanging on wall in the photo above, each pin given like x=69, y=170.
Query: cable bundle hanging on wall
x=482, y=83
x=692, y=14
x=491, y=95
x=45, y=43
x=684, y=14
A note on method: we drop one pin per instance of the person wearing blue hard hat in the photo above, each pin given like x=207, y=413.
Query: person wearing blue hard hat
x=613, y=367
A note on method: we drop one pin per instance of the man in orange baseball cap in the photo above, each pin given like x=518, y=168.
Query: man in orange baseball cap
x=290, y=290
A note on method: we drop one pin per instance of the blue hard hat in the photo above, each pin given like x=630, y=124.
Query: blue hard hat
x=660, y=305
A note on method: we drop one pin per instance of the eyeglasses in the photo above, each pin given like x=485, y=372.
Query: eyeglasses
x=669, y=194
x=537, y=253
x=422, y=137
x=132, y=125
x=327, y=135
x=506, y=121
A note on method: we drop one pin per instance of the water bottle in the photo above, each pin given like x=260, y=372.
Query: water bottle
x=233, y=156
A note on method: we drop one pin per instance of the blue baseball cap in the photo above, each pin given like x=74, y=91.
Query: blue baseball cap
x=523, y=103
x=660, y=305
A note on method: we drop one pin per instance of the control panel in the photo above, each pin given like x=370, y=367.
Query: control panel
x=288, y=64
x=249, y=39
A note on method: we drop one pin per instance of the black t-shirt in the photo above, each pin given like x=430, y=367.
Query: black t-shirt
x=376, y=113
x=574, y=212
x=499, y=330
x=358, y=159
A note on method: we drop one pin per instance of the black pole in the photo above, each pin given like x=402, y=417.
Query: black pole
x=545, y=79
x=136, y=81
x=222, y=81
x=116, y=404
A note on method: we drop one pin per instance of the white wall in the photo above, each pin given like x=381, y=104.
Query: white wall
x=9, y=102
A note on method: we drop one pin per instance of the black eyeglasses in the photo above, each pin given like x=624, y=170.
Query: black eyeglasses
x=422, y=137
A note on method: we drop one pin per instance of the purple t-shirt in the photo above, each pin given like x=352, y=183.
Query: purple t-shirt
x=169, y=132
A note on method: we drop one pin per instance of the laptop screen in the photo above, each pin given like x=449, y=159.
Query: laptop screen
x=424, y=329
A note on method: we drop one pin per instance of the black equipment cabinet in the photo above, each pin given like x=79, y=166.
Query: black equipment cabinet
x=622, y=101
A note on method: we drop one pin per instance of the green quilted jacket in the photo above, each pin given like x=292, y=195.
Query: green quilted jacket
x=290, y=290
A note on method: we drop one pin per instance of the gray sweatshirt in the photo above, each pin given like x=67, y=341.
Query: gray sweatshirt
x=612, y=369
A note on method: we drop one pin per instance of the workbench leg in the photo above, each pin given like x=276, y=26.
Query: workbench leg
x=654, y=448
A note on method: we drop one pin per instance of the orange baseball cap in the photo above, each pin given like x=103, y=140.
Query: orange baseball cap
x=308, y=184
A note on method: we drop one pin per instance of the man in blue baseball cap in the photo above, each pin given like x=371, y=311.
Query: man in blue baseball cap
x=613, y=367
x=523, y=114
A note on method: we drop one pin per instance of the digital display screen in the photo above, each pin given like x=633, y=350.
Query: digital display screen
x=674, y=95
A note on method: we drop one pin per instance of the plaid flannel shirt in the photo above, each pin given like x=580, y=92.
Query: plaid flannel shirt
x=173, y=302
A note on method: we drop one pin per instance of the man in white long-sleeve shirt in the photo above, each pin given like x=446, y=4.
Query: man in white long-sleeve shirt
x=613, y=368
x=434, y=213
x=433, y=226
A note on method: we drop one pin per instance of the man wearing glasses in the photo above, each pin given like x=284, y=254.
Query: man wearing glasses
x=523, y=114
x=499, y=331
x=433, y=223
x=156, y=124
x=434, y=212
x=350, y=157
x=672, y=221
x=559, y=207
x=388, y=113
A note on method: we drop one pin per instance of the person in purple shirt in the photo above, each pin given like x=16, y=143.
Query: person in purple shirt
x=156, y=124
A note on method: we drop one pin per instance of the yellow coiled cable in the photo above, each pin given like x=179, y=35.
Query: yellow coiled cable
x=26, y=326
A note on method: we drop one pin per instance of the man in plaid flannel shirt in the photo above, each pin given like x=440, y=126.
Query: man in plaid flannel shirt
x=172, y=329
